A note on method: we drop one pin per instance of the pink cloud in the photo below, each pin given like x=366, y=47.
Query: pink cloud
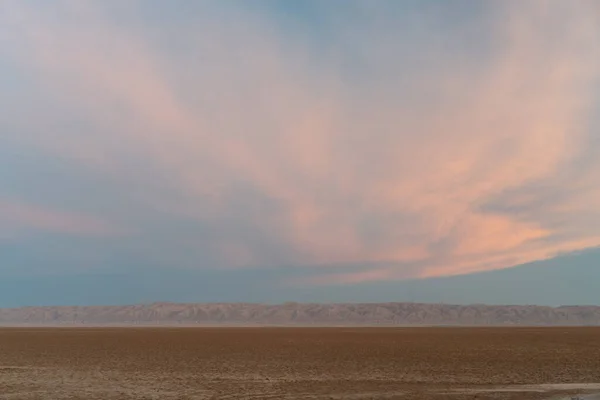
x=18, y=217
x=375, y=175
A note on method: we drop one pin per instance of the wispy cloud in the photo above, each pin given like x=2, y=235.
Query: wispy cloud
x=421, y=143
x=16, y=218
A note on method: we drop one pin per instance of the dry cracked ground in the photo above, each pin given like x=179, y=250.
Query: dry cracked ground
x=299, y=363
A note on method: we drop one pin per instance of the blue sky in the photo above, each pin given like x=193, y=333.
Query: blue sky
x=297, y=146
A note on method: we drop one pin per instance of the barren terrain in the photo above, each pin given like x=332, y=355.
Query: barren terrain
x=298, y=363
x=304, y=314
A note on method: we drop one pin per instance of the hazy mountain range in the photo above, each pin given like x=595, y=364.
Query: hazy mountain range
x=305, y=314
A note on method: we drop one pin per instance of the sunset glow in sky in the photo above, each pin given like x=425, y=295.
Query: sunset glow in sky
x=354, y=141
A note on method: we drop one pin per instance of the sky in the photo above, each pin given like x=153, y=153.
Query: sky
x=355, y=148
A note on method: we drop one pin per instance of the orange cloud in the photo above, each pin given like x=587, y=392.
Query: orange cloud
x=380, y=170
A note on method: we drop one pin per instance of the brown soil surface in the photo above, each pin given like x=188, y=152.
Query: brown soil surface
x=298, y=363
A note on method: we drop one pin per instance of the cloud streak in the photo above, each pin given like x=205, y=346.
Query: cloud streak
x=17, y=218
x=456, y=144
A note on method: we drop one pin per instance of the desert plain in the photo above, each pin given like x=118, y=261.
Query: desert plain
x=299, y=363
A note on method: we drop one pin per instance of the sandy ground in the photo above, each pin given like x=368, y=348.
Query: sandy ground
x=300, y=363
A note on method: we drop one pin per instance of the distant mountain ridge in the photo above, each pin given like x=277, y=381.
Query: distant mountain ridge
x=400, y=314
